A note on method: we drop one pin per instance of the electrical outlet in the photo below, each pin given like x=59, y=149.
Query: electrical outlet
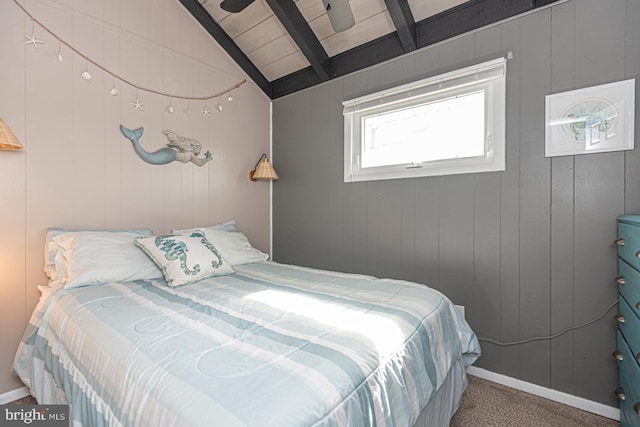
x=460, y=308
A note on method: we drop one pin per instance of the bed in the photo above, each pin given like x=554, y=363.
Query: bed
x=267, y=344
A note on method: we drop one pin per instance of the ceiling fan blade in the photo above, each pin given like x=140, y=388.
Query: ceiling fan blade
x=235, y=6
x=340, y=14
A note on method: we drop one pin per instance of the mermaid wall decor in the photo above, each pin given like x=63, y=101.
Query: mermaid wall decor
x=182, y=149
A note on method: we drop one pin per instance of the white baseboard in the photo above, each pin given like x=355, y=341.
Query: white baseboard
x=547, y=393
x=12, y=395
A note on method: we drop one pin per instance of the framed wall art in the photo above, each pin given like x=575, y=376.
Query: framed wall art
x=590, y=120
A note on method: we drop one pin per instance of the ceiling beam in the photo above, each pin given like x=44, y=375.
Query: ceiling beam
x=463, y=18
x=294, y=82
x=215, y=30
x=404, y=22
x=453, y=22
x=302, y=34
x=467, y=17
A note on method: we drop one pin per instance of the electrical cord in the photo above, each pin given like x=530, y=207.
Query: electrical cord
x=571, y=328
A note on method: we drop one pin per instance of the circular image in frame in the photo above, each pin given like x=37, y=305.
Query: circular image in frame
x=591, y=120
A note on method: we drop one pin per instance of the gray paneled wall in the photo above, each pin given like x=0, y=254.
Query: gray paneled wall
x=528, y=251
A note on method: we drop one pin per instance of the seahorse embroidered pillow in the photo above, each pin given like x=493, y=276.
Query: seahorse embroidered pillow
x=184, y=259
x=231, y=243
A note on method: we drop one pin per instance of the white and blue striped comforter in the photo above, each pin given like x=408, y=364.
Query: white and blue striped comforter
x=271, y=345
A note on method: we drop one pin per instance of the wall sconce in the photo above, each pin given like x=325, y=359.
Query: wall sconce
x=8, y=140
x=263, y=170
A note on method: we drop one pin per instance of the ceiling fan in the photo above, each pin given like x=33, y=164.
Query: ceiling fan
x=338, y=11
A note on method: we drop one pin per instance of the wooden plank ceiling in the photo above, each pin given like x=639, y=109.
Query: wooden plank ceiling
x=288, y=45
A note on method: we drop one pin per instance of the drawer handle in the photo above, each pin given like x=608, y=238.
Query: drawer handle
x=618, y=355
x=619, y=241
x=619, y=318
x=636, y=408
x=638, y=254
x=619, y=280
x=638, y=305
x=638, y=357
x=619, y=393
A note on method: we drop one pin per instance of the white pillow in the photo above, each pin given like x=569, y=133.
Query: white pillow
x=227, y=225
x=52, y=249
x=184, y=259
x=232, y=244
x=95, y=257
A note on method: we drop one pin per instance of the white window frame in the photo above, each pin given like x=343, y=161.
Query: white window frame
x=489, y=77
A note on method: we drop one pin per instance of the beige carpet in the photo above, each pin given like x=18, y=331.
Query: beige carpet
x=486, y=404
x=24, y=401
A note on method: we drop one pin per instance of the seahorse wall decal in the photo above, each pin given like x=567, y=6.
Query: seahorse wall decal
x=182, y=149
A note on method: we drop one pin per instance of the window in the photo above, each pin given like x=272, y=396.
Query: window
x=448, y=124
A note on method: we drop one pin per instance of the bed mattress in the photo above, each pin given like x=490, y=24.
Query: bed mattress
x=271, y=345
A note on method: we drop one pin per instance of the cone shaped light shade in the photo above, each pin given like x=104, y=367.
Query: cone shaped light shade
x=264, y=171
x=8, y=140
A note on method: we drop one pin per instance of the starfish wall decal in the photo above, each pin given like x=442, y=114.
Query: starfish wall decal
x=33, y=40
x=137, y=105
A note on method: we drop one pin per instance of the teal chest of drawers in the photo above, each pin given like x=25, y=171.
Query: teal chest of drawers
x=628, y=335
